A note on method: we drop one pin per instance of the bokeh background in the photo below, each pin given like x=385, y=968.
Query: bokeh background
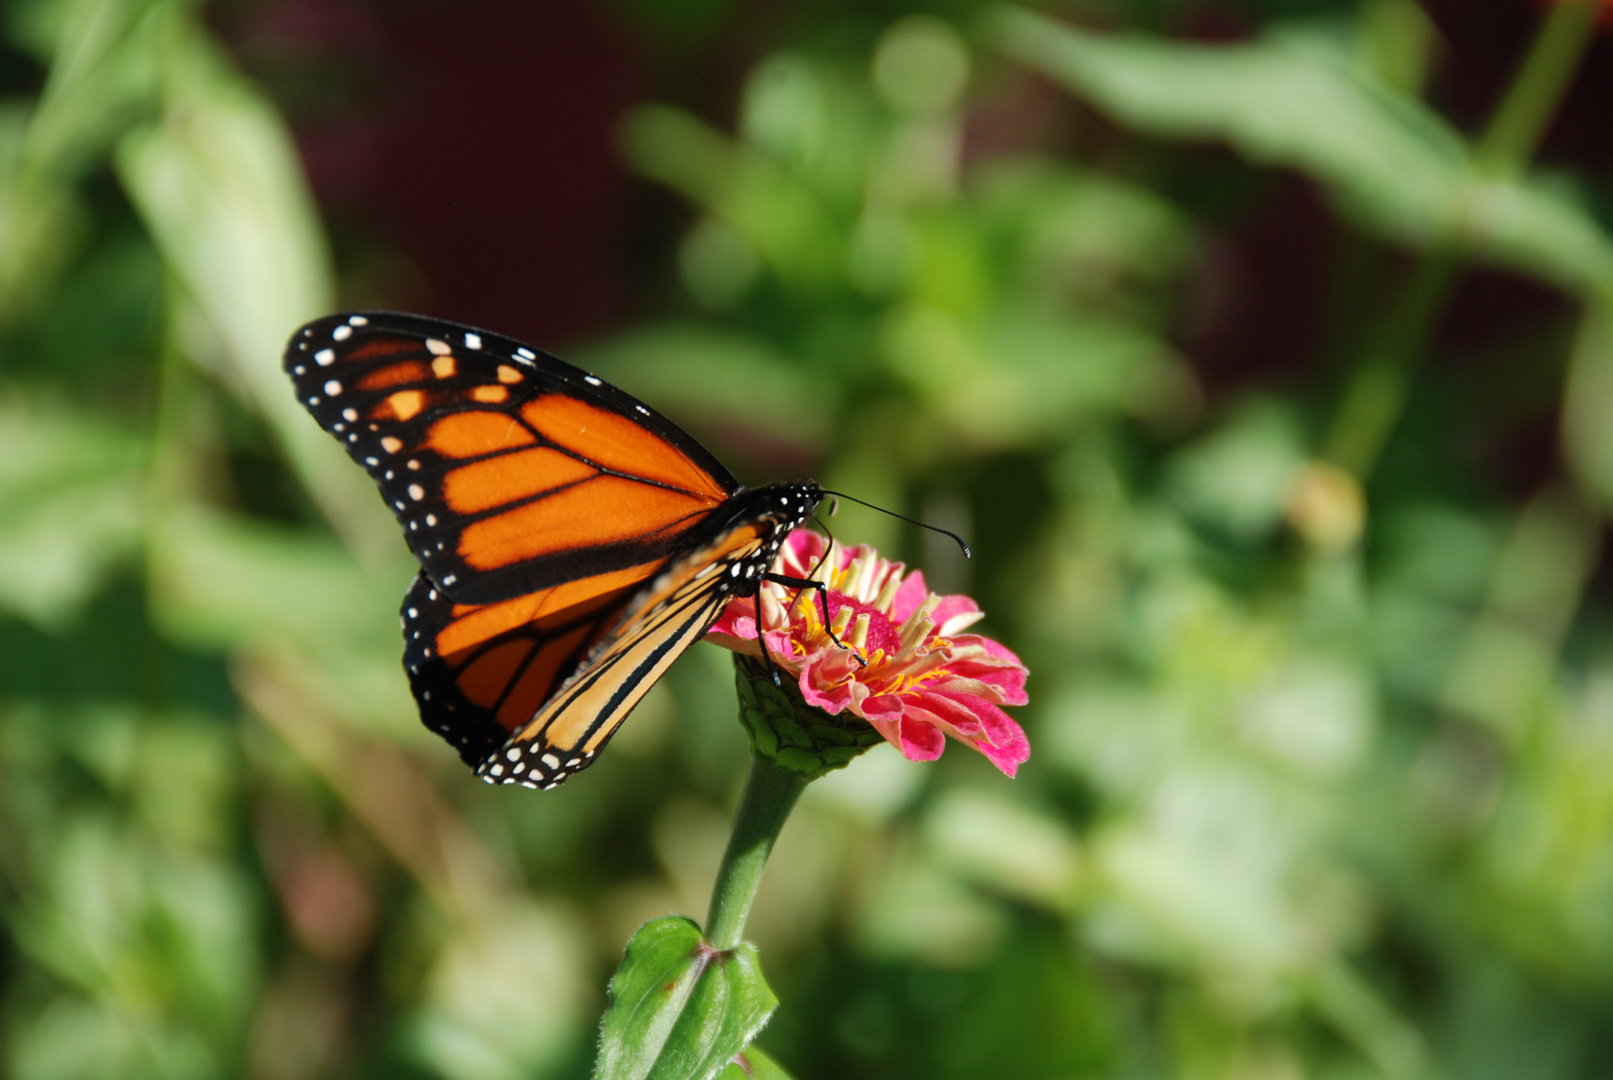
x=1269, y=372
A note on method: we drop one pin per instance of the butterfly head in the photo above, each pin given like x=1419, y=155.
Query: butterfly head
x=784, y=507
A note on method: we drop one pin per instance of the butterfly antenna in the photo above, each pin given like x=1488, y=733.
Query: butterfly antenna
x=967, y=554
x=819, y=523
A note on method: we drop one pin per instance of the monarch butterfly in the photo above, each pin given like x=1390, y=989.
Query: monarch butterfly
x=572, y=541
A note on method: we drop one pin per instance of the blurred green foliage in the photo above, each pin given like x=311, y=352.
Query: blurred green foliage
x=1322, y=713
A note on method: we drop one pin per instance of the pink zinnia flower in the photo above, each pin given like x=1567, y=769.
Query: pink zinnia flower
x=923, y=678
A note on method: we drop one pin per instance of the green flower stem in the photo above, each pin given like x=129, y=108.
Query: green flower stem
x=770, y=794
x=1520, y=121
x=1377, y=391
x=1376, y=394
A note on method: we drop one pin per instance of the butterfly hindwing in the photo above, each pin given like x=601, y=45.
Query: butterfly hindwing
x=496, y=459
x=649, y=633
x=480, y=671
x=530, y=690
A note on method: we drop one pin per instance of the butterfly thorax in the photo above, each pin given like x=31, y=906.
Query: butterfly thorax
x=782, y=506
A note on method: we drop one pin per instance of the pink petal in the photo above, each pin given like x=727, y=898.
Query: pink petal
x=881, y=707
x=997, y=667
x=737, y=620
x=909, y=598
x=999, y=650
x=830, y=695
x=804, y=546
x=1003, y=741
x=972, y=687
x=951, y=608
x=734, y=644
x=1006, y=685
x=948, y=713
x=919, y=741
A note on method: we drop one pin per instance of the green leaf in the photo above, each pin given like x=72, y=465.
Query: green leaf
x=507, y=995
x=680, y=1010
x=221, y=581
x=218, y=184
x=715, y=378
x=780, y=215
x=71, y=491
x=1296, y=100
x=1025, y=375
x=1587, y=435
x=103, y=78
x=753, y=1064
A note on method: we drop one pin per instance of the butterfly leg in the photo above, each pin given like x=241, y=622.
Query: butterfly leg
x=823, y=597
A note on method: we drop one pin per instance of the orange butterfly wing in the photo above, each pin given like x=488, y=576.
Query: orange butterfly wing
x=508, y=469
x=531, y=689
x=572, y=541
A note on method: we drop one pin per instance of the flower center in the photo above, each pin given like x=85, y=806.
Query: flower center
x=882, y=636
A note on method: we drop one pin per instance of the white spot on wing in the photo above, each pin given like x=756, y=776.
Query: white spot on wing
x=473, y=341
x=591, y=380
x=342, y=333
x=333, y=388
x=437, y=348
x=358, y=320
x=325, y=357
x=526, y=354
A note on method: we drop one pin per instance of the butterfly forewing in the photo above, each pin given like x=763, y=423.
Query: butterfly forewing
x=501, y=462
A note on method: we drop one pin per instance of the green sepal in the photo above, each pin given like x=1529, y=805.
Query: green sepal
x=680, y=1010
x=800, y=738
